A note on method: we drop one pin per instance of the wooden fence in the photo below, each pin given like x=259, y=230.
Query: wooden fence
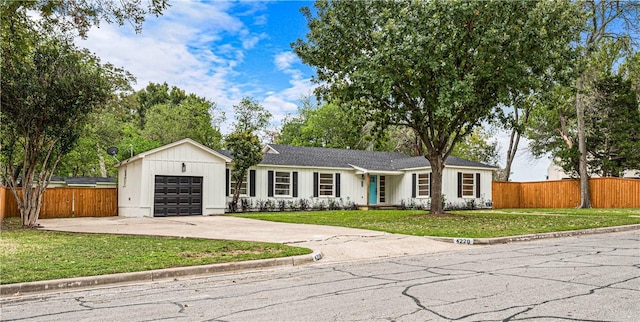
x=605, y=193
x=67, y=202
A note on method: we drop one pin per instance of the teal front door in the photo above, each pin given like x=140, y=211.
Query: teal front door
x=373, y=189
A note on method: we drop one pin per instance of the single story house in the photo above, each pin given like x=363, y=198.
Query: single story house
x=187, y=178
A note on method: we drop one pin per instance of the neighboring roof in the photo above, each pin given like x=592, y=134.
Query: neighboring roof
x=88, y=181
x=171, y=145
x=286, y=155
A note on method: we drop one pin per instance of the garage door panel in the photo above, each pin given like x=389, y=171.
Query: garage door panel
x=177, y=196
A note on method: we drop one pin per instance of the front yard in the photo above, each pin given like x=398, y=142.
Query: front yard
x=28, y=255
x=468, y=224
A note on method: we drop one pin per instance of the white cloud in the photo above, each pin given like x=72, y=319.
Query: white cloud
x=284, y=60
x=182, y=47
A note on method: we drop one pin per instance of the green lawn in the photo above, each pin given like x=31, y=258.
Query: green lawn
x=471, y=224
x=34, y=255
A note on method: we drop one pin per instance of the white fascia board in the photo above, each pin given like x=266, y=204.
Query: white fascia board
x=360, y=170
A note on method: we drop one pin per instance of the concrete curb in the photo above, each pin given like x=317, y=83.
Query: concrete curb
x=505, y=240
x=153, y=275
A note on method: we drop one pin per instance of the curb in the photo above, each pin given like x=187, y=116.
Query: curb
x=519, y=238
x=153, y=275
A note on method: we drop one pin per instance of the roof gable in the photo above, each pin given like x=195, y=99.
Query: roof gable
x=173, y=145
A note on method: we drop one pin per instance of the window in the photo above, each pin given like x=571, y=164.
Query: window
x=243, y=186
x=282, y=183
x=424, y=188
x=468, y=185
x=325, y=184
x=383, y=188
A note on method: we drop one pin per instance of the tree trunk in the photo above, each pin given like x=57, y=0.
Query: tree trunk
x=236, y=196
x=511, y=153
x=585, y=194
x=103, y=166
x=437, y=167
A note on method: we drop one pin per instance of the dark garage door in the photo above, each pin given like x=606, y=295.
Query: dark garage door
x=177, y=196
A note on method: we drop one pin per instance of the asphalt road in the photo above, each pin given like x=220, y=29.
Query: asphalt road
x=587, y=278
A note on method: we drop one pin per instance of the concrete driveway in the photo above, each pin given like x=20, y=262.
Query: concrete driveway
x=336, y=243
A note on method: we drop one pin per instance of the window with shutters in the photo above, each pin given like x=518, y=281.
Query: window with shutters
x=468, y=185
x=423, y=184
x=282, y=183
x=325, y=184
x=243, y=186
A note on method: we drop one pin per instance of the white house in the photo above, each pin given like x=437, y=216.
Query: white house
x=165, y=181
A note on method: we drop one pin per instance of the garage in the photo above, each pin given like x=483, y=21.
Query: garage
x=177, y=196
x=178, y=179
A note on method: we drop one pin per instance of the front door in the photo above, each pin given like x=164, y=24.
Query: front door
x=373, y=189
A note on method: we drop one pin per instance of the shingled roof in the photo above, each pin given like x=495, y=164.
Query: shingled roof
x=286, y=155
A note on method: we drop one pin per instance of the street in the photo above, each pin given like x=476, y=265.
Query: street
x=587, y=278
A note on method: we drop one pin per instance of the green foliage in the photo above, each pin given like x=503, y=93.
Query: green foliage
x=181, y=118
x=49, y=87
x=613, y=143
x=478, y=147
x=251, y=116
x=246, y=150
x=77, y=16
x=329, y=126
x=438, y=67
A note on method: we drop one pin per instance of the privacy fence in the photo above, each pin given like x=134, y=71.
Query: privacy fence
x=605, y=193
x=66, y=203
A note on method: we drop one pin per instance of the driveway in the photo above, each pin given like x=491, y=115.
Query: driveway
x=336, y=243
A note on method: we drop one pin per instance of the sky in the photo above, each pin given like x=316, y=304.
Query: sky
x=227, y=50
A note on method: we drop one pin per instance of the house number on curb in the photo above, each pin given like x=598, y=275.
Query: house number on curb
x=465, y=241
x=317, y=257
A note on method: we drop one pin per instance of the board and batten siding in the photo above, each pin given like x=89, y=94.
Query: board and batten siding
x=449, y=184
x=129, y=187
x=352, y=187
x=138, y=195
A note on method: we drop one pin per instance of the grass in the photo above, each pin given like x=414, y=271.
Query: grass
x=469, y=224
x=33, y=255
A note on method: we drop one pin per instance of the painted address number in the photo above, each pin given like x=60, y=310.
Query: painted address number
x=317, y=257
x=465, y=241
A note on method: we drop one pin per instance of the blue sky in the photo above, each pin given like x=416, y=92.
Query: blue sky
x=227, y=50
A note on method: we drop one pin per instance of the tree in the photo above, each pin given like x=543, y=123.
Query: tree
x=49, y=86
x=251, y=117
x=329, y=126
x=439, y=68
x=605, y=16
x=477, y=147
x=77, y=16
x=247, y=152
x=190, y=117
x=613, y=139
x=47, y=92
x=243, y=143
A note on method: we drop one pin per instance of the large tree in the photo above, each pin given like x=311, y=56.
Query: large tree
x=609, y=21
x=189, y=117
x=328, y=125
x=438, y=67
x=49, y=86
x=613, y=144
x=48, y=89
